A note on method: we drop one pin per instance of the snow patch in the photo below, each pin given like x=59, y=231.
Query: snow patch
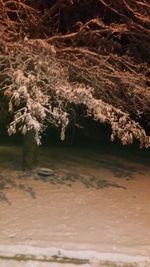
x=53, y=253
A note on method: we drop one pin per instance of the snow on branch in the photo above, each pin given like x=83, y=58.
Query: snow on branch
x=39, y=91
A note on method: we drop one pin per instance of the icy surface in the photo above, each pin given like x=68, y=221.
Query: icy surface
x=94, y=207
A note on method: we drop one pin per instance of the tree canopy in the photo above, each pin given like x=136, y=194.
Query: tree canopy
x=69, y=56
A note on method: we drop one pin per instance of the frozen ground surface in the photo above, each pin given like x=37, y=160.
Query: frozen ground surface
x=94, y=210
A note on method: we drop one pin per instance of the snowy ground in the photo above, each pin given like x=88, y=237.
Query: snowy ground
x=94, y=210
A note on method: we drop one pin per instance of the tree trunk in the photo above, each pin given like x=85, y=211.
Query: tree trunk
x=30, y=151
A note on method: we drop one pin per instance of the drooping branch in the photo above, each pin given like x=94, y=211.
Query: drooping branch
x=59, y=53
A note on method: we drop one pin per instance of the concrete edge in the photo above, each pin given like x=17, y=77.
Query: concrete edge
x=77, y=257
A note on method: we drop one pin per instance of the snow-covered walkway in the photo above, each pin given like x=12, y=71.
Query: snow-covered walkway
x=93, y=211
